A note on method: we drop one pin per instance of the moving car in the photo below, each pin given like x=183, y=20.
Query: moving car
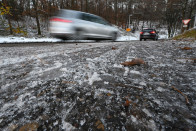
x=148, y=34
x=70, y=24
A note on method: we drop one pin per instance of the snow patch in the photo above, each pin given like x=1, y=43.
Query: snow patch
x=142, y=83
x=133, y=119
x=118, y=66
x=147, y=112
x=82, y=122
x=135, y=72
x=28, y=40
x=19, y=102
x=152, y=125
x=126, y=71
x=160, y=89
x=127, y=38
x=94, y=77
x=67, y=126
x=157, y=101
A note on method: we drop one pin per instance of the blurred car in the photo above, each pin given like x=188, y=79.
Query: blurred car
x=70, y=24
x=149, y=34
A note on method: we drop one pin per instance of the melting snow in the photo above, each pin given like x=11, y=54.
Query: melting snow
x=24, y=40
x=135, y=72
x=147, y=112
x=160, y=89
x=94, y=77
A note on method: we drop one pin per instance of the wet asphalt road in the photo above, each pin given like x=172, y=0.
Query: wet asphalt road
x=83, y=86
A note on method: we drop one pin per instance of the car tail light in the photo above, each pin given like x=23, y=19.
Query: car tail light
x=141, y=33
x=60, y=20
x=152, y=32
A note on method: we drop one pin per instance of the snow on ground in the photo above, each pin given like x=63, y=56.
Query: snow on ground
x=128, y=37
x=27, y=40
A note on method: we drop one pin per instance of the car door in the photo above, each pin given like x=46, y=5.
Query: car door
x=87, y=25
x=104, y=29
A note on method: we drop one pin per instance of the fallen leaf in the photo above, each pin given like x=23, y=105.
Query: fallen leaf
x=186, y=48
x=127, y=103
x=114, y=48
x=153, y=75
x=29, y=127
x=108, y=94
x=133, y=62
x=99, y=125
x=186, y=98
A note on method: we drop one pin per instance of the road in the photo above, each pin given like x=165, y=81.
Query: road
x=84, y=86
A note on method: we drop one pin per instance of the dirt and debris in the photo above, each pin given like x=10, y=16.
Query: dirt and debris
x=71, y=87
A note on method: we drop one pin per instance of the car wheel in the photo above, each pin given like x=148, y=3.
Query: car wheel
x=140, y=39
x=63, y=38
x=114, y=36
x=144, y=39
x=79, y=35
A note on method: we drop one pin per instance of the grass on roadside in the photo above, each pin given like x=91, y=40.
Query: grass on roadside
x=188, y=34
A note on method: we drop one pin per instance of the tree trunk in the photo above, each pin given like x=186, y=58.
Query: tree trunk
x=35, y=4
x=81, y=2
x=183, y=14
x=10, y=25
x=116, y=6
x=86, y=5
x=38, y=24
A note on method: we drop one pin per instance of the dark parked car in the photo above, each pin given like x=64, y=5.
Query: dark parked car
x=148, y=34
x=70, y=24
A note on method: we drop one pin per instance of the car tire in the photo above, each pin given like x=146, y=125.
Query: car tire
x=144, y=39
x=114, y=36
x=63, y=38
x=140, y=39
x=79, y=35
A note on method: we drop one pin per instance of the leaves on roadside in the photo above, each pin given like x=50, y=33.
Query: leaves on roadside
x=134, y=62
x=68, y=82
x=186, y=98
x=29, y=127
x=114, y=48
x=185, y=48
x=108, y=94
x=99, y=125
x=127, y=103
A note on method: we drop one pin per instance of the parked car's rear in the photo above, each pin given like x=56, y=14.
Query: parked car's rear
x=70, y=24
x=148, y=34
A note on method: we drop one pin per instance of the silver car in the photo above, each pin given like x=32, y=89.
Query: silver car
x=70, y=24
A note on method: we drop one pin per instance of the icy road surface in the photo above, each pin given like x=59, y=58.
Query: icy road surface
x=83, y=86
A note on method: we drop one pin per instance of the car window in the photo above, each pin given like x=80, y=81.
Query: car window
x=147, y=30
x=66, y=13
x=92, y=18
x=102, y=21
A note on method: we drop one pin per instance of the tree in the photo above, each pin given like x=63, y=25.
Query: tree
x=5, y=10
x=35, y=5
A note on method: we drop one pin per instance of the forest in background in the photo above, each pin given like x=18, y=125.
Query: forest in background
x=22, y=16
